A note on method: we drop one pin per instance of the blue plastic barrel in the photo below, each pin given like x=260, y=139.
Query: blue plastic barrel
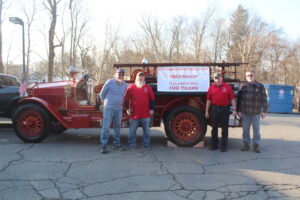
x=280, y=98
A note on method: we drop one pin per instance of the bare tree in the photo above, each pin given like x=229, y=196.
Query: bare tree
x=1, y=62
x=79, y=22
x=255, y=43
x=51, y=6
x=274, y=55
x=178, y=39
x=29, y=10
x=110, y=39
x=133, y=49
x=61, y=67
x=84, y=56
x=153, y=35
x=219, y=40
x=199, y=29
x=293, y=75
x=2, y=2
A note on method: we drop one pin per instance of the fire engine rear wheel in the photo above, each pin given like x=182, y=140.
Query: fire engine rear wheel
x=185, y=126
x=31, y=123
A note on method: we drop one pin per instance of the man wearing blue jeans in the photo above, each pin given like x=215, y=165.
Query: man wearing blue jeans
x=134, y=124
x=139, y=104
x=112, y=95
x=252, y=104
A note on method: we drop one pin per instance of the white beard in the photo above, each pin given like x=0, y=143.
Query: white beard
x=139, y=84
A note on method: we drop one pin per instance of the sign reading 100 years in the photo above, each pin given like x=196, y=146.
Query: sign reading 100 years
x=183, y=79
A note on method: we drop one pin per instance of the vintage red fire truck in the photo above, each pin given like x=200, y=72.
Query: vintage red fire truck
x=180, y=98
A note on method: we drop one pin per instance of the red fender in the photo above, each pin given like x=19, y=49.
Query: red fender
x=48, y=107
x=173, y=103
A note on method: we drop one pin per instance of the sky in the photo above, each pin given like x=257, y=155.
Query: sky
x=280, y=13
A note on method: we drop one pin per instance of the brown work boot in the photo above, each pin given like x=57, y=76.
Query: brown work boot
x=256, y=148
x=246, y=147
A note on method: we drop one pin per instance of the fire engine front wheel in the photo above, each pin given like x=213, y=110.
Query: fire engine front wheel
x=31, y=123
x=185, y=126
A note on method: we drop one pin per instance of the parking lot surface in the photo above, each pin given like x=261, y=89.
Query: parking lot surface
x=69, y=166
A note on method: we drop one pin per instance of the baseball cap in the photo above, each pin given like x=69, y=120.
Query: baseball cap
x=120, y=71
x=73, y=69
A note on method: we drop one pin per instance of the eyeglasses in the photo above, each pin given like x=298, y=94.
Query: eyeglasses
x=249, y=75
x=216, y=77
x=121, y=74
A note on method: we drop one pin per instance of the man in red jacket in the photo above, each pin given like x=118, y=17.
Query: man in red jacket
x=139, y=104
x=219, y=97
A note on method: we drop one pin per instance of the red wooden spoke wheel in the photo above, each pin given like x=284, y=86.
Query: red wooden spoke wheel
x=31, y=122
x=185, y=126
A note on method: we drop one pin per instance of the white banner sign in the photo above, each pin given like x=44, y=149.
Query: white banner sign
x=183, y=79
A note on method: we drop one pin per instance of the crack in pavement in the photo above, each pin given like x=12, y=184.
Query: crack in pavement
x=245, y=160
x=180, y=174
x=19, y=153
x=81, y=188
x=223, y=189
x=168, y=172
x=181, y=195
x=37, y=191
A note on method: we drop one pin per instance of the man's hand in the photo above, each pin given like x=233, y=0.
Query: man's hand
x=151, y=112
x=206, y=114
x=263, y=115
x=240, y=114
x=129, y=111
x=234, y=113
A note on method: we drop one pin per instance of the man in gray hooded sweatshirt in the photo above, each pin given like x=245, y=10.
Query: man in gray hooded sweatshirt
x=112, y=95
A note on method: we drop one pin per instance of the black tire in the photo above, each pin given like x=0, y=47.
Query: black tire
x=31, y=123
x=56, y=126
x=185, y=126
x=11, y=107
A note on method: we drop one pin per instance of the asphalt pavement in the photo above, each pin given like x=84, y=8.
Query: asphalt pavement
x=69, y=166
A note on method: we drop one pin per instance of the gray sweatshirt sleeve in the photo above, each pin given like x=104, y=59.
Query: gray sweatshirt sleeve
x=104, y=90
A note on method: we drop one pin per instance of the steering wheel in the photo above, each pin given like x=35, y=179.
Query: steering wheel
x=85, y=78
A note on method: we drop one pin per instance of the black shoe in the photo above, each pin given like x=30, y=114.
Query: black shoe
x=212, y=148
x=256, y=148
x=147, y=147
x=103, y=150
x=223, y=149
x=120, y=148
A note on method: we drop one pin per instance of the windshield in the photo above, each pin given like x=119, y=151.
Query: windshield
x=8, y=80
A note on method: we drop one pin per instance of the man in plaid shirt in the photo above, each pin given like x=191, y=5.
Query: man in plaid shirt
x=252, y=104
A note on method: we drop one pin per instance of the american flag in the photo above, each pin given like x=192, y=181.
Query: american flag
x=23, y=89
